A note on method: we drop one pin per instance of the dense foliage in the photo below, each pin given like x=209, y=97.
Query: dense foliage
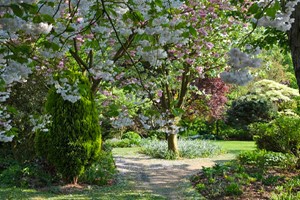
x=27, y=99
x=247, y=110
x=274, y=174
x=280, y=135
x=73, y=141
x=101, y=172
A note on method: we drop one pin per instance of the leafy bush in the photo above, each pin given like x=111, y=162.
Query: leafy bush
x=74, y=139
x=229, y=132
x=114, y=143
x=265, y=158
x=280, y=135
x=194, y=127
x=27, y=98
x=25, y=175
x=129, y=139
x=247, y=110
x=111, y=102
x=156, y=135
x=273, y=91
x=233, y=189
x=101, y=172
x=187, y=149
x=134, y=137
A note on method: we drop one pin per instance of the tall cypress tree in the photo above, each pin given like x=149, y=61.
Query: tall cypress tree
x=74, y=138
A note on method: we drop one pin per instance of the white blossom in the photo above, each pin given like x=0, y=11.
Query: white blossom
x=69, y=92
x=14, y=71
x=282, y=20
x=5, y=124
x=239, y=77
x=40, y=123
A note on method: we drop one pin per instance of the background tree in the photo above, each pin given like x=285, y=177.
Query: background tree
x=165, y=46
x=280, y=20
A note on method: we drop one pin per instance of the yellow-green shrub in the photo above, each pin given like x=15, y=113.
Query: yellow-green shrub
x=74, y=138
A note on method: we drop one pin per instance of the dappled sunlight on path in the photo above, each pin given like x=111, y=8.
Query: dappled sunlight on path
x=168, y=178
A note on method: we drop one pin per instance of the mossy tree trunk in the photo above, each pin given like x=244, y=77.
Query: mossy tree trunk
x=173, y=143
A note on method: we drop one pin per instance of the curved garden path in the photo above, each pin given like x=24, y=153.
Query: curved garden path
x=166, y=178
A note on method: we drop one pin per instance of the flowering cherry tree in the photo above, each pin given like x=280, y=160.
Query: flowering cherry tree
x=159, y=48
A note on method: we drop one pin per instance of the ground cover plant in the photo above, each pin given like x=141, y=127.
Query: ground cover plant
x=254, y=175
x=187, y=149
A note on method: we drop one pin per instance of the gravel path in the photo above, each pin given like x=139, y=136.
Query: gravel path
x=167, y=178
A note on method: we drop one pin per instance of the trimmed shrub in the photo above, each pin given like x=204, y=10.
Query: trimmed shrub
x=247, y=110
x=134, y=137
x=280, y=135
x=74, y=139
x=187, y=149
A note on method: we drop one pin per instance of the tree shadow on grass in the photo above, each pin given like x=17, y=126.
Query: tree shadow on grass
x=115, y=192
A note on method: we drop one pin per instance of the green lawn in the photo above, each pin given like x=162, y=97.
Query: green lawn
x=236, y=147
x=130, y=151
x=116, y=192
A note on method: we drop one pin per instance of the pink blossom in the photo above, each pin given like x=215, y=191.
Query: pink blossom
x=199, y=70
x=61, y=64
x=202, y=31
x=79, y=20
x=90, y=36
x=189, y=61
x=106, y=93
x=159, y=93
x=79, y=38
x=209, y=45
x=202, y=13
x=119, y=76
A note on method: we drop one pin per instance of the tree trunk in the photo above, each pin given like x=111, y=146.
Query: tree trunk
x=75, y=180
x=294, y=42
x=173, y=143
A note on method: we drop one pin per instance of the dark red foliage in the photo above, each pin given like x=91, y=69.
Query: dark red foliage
x=214, y=92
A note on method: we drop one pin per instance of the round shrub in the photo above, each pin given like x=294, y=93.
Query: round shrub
x=250, y=109
x=73, y=141
x=280, y=135
x=134, y=137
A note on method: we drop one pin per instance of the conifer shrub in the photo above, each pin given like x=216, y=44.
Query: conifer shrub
x=73, y=141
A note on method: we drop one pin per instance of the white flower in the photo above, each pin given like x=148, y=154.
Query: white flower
x=45, y=28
